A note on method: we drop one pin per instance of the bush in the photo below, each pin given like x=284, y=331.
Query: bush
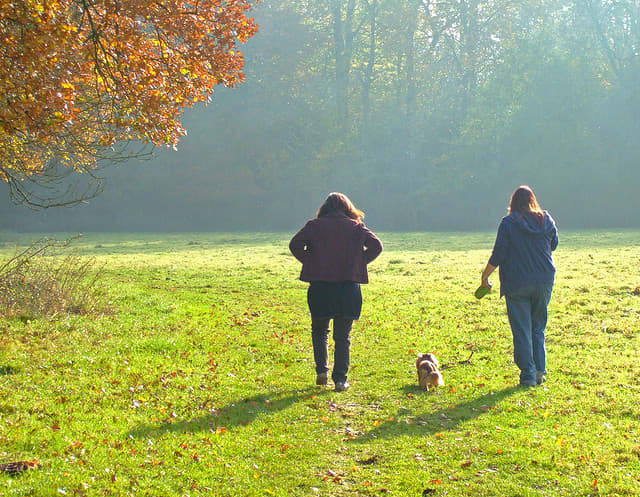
x=37, y=282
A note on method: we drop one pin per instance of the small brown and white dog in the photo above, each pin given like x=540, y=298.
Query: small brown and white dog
x=428, y=372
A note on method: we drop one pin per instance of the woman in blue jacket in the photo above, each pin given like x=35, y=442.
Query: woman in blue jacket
x=526, y=237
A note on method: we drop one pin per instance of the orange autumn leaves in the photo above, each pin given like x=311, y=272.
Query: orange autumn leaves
x=78, y=77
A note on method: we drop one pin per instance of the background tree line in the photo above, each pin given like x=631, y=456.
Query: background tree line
x=427, y=113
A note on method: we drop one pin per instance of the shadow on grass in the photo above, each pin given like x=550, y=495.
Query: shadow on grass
x=241, y=412
x=437, y=421
x=7, y=370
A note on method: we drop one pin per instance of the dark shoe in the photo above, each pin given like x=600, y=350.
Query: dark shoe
x=540, y=378
x=321, y=379
x=342, y=386
x=527, y=384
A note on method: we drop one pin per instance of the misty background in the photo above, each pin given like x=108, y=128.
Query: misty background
x=428, y=114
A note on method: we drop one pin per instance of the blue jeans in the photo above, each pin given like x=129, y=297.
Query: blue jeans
x=527, y=311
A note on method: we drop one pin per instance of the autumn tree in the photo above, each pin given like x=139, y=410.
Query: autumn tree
x=82, y=81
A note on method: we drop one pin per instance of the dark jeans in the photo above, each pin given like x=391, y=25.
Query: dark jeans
x=527, y=311
x=342, y=340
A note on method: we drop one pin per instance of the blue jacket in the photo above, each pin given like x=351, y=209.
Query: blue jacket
x=523, y=251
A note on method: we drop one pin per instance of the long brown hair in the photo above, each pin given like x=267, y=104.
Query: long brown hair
x=340, y=203
x=524, y=201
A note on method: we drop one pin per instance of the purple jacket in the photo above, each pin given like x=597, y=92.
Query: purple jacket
x=335, y=248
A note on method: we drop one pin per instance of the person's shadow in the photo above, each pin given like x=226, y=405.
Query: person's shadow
x=240, y=412
x=7, y=370
x=435, y=421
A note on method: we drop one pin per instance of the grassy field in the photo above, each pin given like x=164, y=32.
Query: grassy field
x=198, y=377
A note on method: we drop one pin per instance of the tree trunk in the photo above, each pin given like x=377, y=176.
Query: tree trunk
x=368, y=71
x=410, y=92
x=602, y=36
x=469, y=21
x=343, y=49
x=410, y=100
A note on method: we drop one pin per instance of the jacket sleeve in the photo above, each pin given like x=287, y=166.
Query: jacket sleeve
x=501, y=246
x=554, y=237
x=372, y=245
x=299, y=244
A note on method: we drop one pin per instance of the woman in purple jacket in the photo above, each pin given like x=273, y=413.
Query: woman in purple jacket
x=334, y=249
x=526, y=238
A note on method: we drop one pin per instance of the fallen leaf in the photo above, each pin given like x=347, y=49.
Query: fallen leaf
x=14, y=468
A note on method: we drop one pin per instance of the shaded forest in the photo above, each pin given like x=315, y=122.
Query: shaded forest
x=426, y=113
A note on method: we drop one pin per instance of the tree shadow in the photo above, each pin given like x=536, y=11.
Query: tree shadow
x=239, y=413
x=436, y=421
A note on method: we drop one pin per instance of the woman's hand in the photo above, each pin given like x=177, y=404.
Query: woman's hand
x=486, y=273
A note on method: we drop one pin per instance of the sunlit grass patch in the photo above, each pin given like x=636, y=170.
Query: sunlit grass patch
x=201, y=380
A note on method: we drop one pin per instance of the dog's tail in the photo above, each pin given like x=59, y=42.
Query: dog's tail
x=439, y=380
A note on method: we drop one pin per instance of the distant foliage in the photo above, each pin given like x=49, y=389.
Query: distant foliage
x=427, y=113
x=79, y=77
x=34, y=284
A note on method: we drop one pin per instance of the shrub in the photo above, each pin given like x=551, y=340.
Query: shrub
x=38, y=282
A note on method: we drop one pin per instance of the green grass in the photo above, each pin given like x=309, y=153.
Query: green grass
x=199, y=379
